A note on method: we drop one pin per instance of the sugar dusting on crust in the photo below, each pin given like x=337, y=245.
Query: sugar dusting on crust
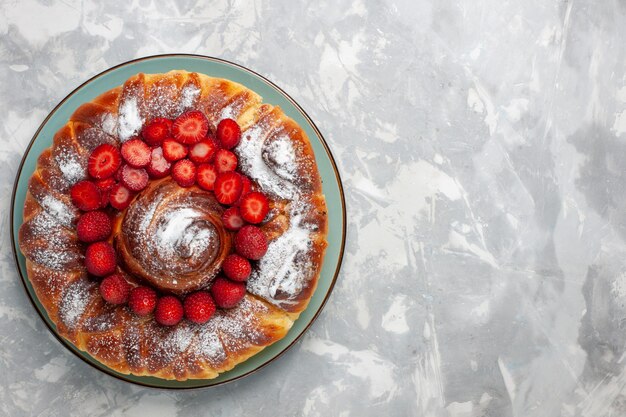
x=109, y=124
x=69, y=163
x=270, y=159
x=251, y=162
x=188, y=97
x=130, y=121
x=58, y=210
x=74, y=301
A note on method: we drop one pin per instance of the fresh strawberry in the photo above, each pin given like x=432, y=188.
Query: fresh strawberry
x=157, y=130
x=228, y=133
x=246, y=187
x=173, y=151
x=142, y=300
x=206, y=176
x=227, y=187
x=159, y=167
x=250, y=242
x=100, y=259
x=225, y=160
x=202, y=151
x=190, y=127
x=236, y=267
x=136, y=152
x=105, y=185
x=86, y=196
x=114, y=289
x=231, y=218
x=169, y=311
x=199, y=307
x=104, y=161
x=120, y=197
x=135, y=179
x=226, y=293
x=93, y=226
x=184, y=173
x=254, y=207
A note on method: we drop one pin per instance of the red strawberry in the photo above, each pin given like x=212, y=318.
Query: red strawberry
x=86, y=196
x=202, y=151
x=169, y=311
x=120, y=197
x=227, y=187
x=246, y=187
x=135, y=179
x=251, y=242
x=104, y=161
x=232, y=218
x=173, y=151
x=142, y=300
x=157, y=130
x=236, y=267
x=199, y=307
x=136, y=152
x=254, y=207
x=105, y=185
x=226, y=293
x=225, y=161
x=100, y=259
x=159, y=167
x=228, y=133
x=93, y=226
x=206, y=176
x=114, y=289
x=184, y=173
x=190, y=127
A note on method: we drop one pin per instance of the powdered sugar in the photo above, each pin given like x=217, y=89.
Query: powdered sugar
x=58, y=210
x=188, y=97
x=130, y=121
x=281, y=155
x=69, y=164
x=282, y=273
x=179, y=234
x=74, y=302
x=109, y=124
x=250, y=152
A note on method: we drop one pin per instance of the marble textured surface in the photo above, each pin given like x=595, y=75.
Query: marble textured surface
x=483, y=150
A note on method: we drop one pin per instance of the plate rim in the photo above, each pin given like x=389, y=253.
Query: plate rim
x=105, y=369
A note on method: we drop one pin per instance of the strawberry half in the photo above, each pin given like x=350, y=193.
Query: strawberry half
x=254, y=207
x=86, y=196
x=228, y=133
x=173, y=151
x=190, y=127
x=184, y=173
x=245, y=189
x=206, y=174
x=231, y=218
x=202, y=151
x=104, y=161
x=135, y=179
x=119, y=197
x=228, y=187
x=157, y=130
x=159, y=167
x=136, y=152
x=225, y=160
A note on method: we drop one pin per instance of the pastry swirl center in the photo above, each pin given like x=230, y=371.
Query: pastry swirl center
x=173, y=237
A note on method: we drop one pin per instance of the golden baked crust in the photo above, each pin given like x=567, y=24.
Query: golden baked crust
x=274, y=153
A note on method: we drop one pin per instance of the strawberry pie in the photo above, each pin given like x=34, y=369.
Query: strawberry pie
x=176, y=226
